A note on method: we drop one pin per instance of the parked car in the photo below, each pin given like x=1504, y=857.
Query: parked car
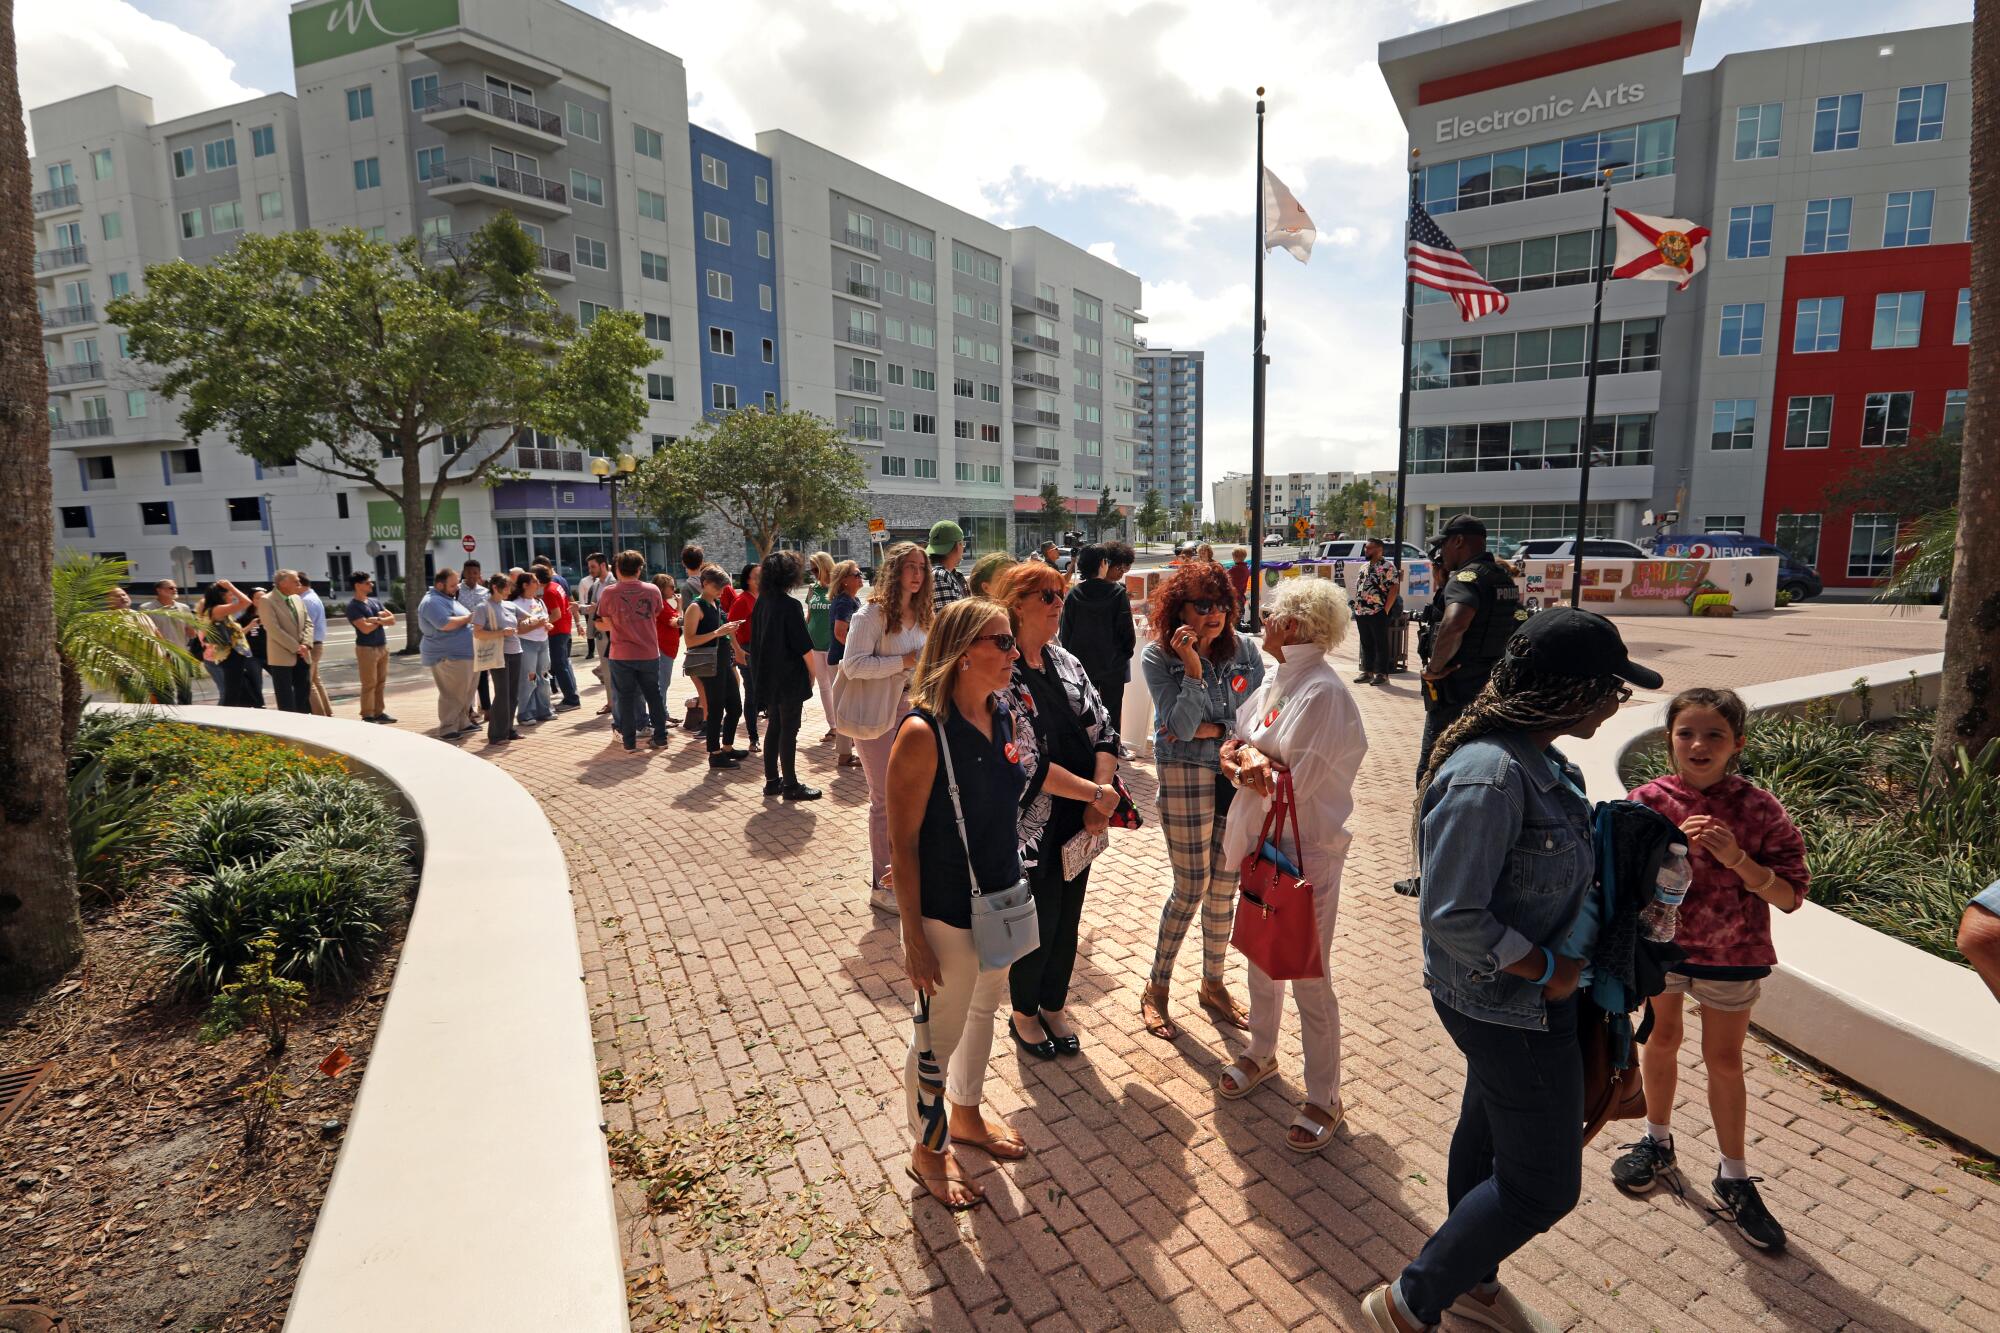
x=1564, y=548
x=1274, y=539
x=1795, y=576
x=1348, y=549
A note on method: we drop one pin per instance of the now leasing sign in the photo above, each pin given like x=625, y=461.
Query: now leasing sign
x=343, y=27
x=385, y=522
x=1534, y=113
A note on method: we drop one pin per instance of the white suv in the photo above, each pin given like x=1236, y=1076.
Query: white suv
x=1353, y=550
x=1564, y=548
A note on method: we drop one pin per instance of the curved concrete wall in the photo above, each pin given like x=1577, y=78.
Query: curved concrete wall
x=473, y=1189
x=1921, y=1032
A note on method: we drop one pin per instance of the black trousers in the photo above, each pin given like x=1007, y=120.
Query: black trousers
x=1111, y=689
x=506, y=685
x=725, y=708
x=1375, y=655
x=293, y=686
x=750, y=704
x=1040, y=980
x=781, y=742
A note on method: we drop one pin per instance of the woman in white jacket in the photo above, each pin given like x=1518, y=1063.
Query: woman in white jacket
x=1303, y=720
x=883, y=640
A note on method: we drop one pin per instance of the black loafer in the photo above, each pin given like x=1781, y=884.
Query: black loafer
x=773, y=788
x=1067, y=1045
x=802, y=793
x=1045, y=1049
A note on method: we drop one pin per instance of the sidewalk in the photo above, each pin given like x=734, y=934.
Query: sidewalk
x=751, y=1018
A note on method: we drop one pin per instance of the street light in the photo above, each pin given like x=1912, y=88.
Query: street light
x=613, y=475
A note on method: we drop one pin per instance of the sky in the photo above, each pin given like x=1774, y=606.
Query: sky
x=1126, y=126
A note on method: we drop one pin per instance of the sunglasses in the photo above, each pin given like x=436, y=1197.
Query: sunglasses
x=1201, y=606
x=1049, y=596
x=1004, y=642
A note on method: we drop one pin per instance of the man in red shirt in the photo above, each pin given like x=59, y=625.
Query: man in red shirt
x=1239, y=579
x=628, y=611
x=562, y=625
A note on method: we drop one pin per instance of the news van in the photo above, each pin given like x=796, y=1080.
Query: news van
x=1796, y=577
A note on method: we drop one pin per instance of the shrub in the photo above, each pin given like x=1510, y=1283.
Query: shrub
x=110, y=832
x=187, y=766
x=242, y=828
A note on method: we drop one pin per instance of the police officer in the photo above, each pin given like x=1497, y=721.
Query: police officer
x=1474, y=612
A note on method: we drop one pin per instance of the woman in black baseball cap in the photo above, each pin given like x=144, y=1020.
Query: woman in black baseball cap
x=1507, y=861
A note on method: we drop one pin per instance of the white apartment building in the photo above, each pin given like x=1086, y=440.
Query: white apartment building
x=1287, y=494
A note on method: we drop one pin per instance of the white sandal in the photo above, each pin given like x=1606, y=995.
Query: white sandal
x=1235, y=1084
x=1322, y=1134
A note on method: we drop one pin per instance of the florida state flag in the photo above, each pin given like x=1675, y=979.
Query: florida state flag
x=1669, y=249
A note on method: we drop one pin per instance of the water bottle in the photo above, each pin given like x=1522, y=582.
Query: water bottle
x=1662, y=916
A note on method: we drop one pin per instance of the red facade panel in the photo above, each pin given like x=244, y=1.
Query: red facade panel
x=1795, y=480
x=1600, y=52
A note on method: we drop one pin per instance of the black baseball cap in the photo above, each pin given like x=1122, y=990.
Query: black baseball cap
x=1564, y=641
x=1464, y=525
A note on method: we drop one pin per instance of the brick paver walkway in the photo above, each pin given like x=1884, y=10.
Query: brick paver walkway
x=737, y=972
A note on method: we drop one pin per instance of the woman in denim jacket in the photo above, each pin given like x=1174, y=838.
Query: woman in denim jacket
x=1198, y=671
x=1508, y=860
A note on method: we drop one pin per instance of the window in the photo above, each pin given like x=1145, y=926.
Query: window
x=965, y=472
x=183, y=463
x=263, y=141
x=1798, y=536
x=1518, y=446
x=1961, y=325
x=714, y=171
x=961, y=387
x=961, y=259
x=1837, y=123
x=654, y=266
x=1809, y=422
x=893, y=466
x=361, y=102
x=1871, y=546
x=922, y=247
x=962, y=429
x=922, y=423
x=225, y=217
x=135, y=402
x=764, y=296
x=1907, y=220
x=922, y=292
x=1757, y=131
x=435, y=230
x=1725, y=523
x=963, y=346
x=652, y=205
x=659, y=328
x=430, y=162
x=590, y=253
x=896, y=373
x=1734, y=424
x=1632, y=152
x=423, y=90
x=1954, y=406
x=763, y=187
x=722, y=397
x=925, y=467
x=218, y=154
x=1899, y=318
x=989, y=393
x=76, y=518
x=715, y=228
x=191, y=224
x=113, y=225
x=588, y=311
x=583, y=122
x=923, y=379
x=246, y=509
x=899, y=420
x=1750, y=231
x=989, y=473
x=990, y=433
x=1827, y=225
x=770, y=352
x=722, y=341
x=183, y=163
x=892, y=282
x=892, y=236
x=986, y=268
x=1885, y=420
x=659, y=388
x=100, y=164
x=377, y=233
x=1920, y=113
x=721, y=286
x=1818, y=326
x=156, y=514
x=586, y=188
x=367, y=173
x=647, y=143
x=1536, y=354
x=763, y=242
x=770, y=401
x=1087, y=308
x=922, y=335
x=1742, y=330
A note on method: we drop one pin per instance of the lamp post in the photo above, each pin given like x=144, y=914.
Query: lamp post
x=613, y=474
x=271, y=533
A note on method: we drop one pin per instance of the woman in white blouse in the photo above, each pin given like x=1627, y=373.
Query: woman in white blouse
x=883, y=640
x=533, y=703
x=1303, y=720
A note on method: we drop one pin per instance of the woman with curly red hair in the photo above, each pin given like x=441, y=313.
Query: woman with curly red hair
x=1198, y=670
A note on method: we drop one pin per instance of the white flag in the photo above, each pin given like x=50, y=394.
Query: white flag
x=1286, y=225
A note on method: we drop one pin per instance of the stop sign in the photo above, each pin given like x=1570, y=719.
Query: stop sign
x=467, y=542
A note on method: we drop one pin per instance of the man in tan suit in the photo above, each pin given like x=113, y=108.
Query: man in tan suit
x=287, y=641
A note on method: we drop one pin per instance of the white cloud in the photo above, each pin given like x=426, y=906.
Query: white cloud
x=1105, y=250
x=69, y=47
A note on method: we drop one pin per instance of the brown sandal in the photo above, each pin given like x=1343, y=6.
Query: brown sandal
x=937, y=1186
x=1008, y=1147
x=1153, y=1013
x=1219, y=1003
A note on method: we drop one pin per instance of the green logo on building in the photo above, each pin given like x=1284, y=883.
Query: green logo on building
x=343, y=27
x=385, y=522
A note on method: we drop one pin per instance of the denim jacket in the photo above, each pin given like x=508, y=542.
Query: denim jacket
x=1181, y=705
x=1484, y=908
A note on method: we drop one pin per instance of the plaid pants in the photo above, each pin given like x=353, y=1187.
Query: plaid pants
x=1194, y=808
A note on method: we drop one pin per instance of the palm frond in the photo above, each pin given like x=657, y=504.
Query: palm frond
x=114, y=651
x=1926, y=559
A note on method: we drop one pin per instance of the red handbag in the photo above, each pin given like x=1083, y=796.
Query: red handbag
x=1276, y=927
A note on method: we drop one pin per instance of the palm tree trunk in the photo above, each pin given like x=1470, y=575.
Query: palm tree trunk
x=1969, y=699
x=41, y=935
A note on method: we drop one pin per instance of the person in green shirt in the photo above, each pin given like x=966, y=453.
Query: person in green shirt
x=819, y=628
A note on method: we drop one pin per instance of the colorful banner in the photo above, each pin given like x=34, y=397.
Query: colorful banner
x=1666, y=580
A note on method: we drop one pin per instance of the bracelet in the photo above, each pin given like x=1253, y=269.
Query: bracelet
x=1550, y=973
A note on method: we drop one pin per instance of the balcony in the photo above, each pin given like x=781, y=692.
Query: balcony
x=89, y=428
x=860, y=337
x=1035, y=342
x=549, y=460
x=867, y=291
x=58, y=200
x=864, y=430
x=1035, y=453
x=1034, y=416
x=75, y=373
x=468, y=106
x=1038, y=305
x=63, y=258
x=69, y=317
x=860, y=240
x=1037, y=380
x=553, y=265
x=476, y=178
x=864, y=384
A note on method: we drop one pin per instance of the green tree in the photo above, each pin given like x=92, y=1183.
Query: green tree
x=358, y=359
x=1918, y=479
x=1187, y=517
x=767, y=474
x=1152, y=516
x=1054, y=517
x=1107, y=519
x=1343, y=510
x=109, y=648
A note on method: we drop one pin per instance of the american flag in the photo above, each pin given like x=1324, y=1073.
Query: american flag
x=1435, y=262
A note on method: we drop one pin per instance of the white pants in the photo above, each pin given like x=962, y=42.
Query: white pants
x=823, y=674
x=1319, y=1007
x=961, y=1024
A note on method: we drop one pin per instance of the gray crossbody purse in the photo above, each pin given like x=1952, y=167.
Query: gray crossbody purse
x=1004, y=925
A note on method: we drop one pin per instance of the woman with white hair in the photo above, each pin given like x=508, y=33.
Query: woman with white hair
x=1302, y=720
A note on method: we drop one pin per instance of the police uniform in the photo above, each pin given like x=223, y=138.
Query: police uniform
x=1484, y=585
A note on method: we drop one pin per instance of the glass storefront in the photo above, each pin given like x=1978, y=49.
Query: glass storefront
x=569, y=540
x=1516, y=523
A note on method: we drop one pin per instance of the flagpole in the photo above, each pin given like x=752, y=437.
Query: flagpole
x=1403, y=407
x=1590, y=396
x=1257, y=392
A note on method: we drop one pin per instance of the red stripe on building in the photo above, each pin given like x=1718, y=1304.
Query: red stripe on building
x=1600, y=52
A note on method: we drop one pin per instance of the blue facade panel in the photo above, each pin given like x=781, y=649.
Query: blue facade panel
x=750, y=227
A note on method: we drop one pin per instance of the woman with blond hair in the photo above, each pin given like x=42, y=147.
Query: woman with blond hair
x=1303, y=723
x=845, y=584
x=882, y=643
x=819, y=628
x=963, y=711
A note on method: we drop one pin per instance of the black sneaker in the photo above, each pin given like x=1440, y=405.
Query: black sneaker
x=1740, y=1204
x=1645, y=1164
x=1410, y=887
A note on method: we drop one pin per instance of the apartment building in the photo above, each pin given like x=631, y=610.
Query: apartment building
x=1287, y=495
x=1834, y=179
x=736, y=253
x=1172, y=393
